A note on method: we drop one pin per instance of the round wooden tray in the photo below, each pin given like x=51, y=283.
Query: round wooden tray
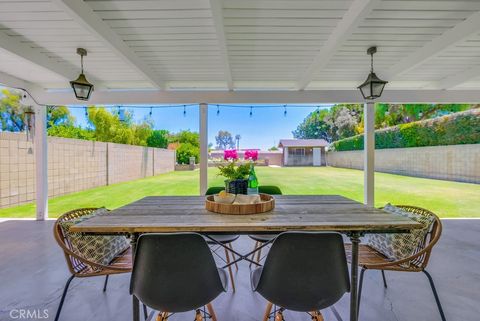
x=267, y=204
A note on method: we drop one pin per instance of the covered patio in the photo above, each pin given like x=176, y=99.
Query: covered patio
x=34, y=272
x=212, y=52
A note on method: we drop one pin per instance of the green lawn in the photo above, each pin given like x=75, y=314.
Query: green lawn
x=447, y=199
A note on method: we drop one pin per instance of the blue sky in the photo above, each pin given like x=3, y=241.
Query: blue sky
x=264, y=129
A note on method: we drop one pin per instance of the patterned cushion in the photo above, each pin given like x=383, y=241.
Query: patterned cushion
x=400, y=246
x=100, y=249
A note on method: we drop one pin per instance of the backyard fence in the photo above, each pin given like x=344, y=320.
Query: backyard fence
x=454, y=162
x=73, y=165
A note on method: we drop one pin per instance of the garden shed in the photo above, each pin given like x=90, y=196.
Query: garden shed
x=303, y=152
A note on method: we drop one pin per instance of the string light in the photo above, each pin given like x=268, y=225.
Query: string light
x=121, y=114
x=251, y=111
x=285, y=111
x=86, y=112
x=218, y=110
x=184, y=110
x=151, y=112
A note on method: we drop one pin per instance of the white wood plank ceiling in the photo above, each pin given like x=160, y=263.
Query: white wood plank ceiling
x=242, y=44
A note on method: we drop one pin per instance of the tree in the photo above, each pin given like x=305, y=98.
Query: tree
x=158, y=138
x=187, y=150
x=189, y=145
x=186, y=136
x=108, y=127
x=71, y=132
x=315, y=126
x=273, y=148
x=224, y=140
x=12, y=117
x=345, y=123
x=59, y=115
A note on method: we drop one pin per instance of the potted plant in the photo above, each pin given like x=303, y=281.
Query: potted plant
x=236, y=175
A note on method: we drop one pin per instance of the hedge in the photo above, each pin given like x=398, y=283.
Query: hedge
x=453, y=129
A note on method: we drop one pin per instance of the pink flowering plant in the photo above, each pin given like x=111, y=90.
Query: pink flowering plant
x=251, y=155
x=232, y=171
x=230, y=155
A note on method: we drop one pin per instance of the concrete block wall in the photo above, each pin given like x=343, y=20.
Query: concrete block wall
x=127, y=162
x=73, y=165
x=17, y=169
x=163, y=160
x=454, y=162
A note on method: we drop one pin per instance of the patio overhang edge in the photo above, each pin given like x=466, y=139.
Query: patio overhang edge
x=139, y=97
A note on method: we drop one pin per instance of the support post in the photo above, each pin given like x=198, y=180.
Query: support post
x=41, y=169
x=203, y=148
x=369, y=154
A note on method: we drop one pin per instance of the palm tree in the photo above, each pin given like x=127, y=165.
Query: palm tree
x=237, y=139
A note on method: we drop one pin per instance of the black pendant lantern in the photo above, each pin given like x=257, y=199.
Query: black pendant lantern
x=372, y=87
x=81, y=87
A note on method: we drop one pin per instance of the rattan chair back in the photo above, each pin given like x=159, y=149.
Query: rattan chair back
x=419, y=260
x=78, y=265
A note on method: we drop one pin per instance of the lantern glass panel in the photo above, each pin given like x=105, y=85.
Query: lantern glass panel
x=82, y=91
x=377, y=88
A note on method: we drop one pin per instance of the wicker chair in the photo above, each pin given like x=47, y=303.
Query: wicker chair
x=79, y=266
x=371, y=259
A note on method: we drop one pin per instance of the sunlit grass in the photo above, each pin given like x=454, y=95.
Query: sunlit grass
x=447, y=199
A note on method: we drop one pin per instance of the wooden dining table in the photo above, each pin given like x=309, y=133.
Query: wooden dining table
x=167, y=214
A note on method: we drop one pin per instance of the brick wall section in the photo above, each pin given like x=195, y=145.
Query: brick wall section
x=127, y=162
x=164, y=160
x=17, y=169
x=73, y=165
x=455, y=162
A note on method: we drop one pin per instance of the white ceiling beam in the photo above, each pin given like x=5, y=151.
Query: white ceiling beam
x=35, y=56
x=148, y=98
x=358, y=10
x=457, y=79
x=82, y=13
x=14, y=82
x=451, y=37
x=217, y=15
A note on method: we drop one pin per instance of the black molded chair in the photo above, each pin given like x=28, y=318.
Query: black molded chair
x=176, y=273
x=304, y=272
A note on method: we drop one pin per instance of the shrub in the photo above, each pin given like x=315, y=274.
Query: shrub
x=453, y=129
x=187, y=150
x=158, y=138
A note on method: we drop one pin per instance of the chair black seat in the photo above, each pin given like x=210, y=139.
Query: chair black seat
x=175, y=272
x=303, y=271
x=222, y=238
x=263, y=238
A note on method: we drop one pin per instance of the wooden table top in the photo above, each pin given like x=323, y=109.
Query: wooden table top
x=292, y=212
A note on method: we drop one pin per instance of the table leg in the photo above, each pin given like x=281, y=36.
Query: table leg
x=135, y=302
x=355, y=239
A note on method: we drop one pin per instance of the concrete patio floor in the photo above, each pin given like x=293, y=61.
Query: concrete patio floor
x=33, y=273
